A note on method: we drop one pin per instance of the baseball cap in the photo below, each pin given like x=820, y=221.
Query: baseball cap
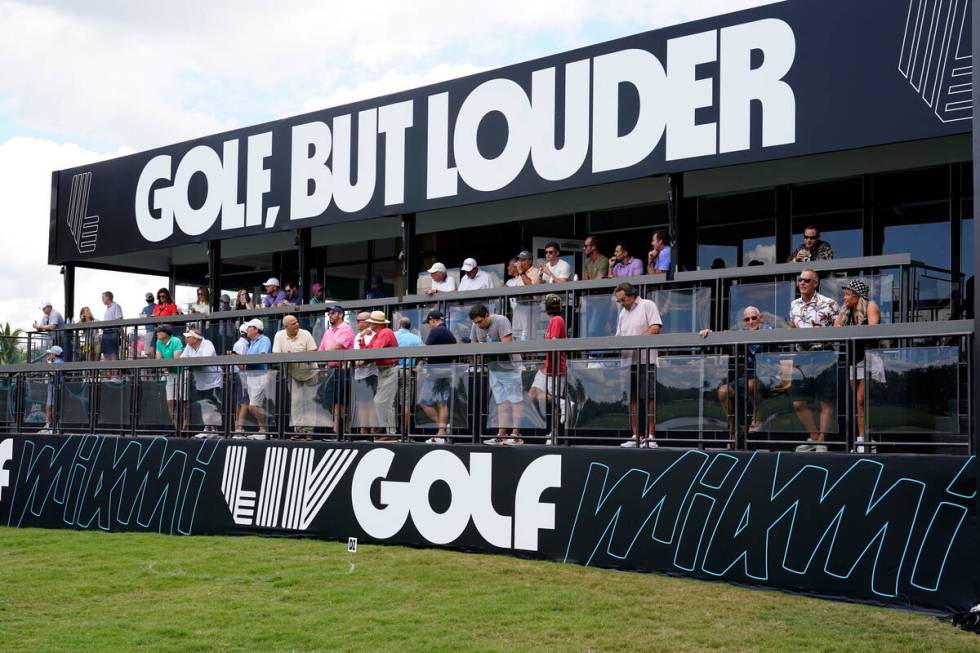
x=225, y=298
x=272, y=282
x=525, y=255
x=335, y=308
x=243, y=328
x=46, y=303
x=315, y=287
x=434, y=315
x=257, y=323
x=193, y=333
x=55, y=349
x=149, y=297
x=468, y=264
x=437, y=267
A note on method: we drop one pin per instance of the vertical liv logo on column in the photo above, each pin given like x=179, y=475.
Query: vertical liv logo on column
x=292, y=491
x=84, y=228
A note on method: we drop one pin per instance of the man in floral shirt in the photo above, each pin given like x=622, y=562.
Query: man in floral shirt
x=811, y=310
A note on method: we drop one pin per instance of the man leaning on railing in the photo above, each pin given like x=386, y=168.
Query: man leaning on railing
x=638, y=317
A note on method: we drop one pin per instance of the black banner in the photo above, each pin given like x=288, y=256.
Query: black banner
x=892, y=529
x=783, y=80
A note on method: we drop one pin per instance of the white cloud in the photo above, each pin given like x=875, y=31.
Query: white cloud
x=25, y=185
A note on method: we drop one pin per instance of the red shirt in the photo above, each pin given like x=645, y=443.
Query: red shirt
x=556, y=329
x=164, y=310
x=383, y=338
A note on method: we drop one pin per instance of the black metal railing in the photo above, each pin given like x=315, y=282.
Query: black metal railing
x=888, y=388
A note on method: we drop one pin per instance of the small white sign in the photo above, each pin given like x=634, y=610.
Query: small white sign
x=351, y=545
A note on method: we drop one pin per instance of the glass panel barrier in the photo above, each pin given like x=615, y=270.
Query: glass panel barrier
x=914, y=390
x=529, y=321
x=459, y=319
x=114, y=398
x=883, y=291
x=38, y=395
x=686, y=310
x=156, y=400
x=442, y=396
x=597, y=315
x=694, y=393
x=416, y=314
x=8, y=398
x=798, y=392
x=311, y=395
x=204, y=394
x=599, y=393
x=772, y=298
x=256, y=416
x=509, y=406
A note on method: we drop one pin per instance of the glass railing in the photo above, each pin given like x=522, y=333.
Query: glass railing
x=889, y=388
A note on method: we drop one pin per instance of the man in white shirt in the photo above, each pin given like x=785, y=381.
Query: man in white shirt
x=303, y=378
x=473, y=277
x=110, y=337
x=638, y=317
x=207, y=382
x=553, y=269
x=441, y=281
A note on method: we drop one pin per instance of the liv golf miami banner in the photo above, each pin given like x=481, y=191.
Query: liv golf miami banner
x=784, y=80
x=898, y=530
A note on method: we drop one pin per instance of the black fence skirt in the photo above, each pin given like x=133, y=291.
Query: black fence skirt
x=897, y=530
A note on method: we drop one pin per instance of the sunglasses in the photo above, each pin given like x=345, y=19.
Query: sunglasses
x=805, y=280
x=550, y=251
x=805, y=237
x=753, y=318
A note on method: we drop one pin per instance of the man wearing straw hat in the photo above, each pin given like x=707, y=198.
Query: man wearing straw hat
x=384, y=397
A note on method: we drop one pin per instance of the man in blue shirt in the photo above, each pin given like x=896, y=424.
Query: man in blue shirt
x=437, y=377
x=406, y=338
x=54, y=354
x=658, y=259
x=274, y=295
x=257, y=377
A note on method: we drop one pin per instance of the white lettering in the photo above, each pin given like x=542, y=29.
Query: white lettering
x=685, y=139
x=393, y=120
x=643, y=71
x=740, y=84
x=550, y=162
x=349, y=197
x=441, y=179
x=307, y=166
x=152, y=228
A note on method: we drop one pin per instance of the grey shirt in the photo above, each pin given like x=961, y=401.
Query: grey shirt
x=499, y=327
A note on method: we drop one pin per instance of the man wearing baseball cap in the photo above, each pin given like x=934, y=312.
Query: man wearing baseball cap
x=257, y=377
x=530, y=275
x=54, y=357
x=473, y=277
x=436, y=377
x=274, y=295
x=338, y=336
x=240, y=393
x=207, y=381
x=50, y=322
x=441, y=281
x=316, y=293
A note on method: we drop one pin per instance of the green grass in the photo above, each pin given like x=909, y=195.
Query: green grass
x=72, y=591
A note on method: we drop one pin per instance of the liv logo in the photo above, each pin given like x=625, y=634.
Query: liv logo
x=292, y=491
x=6, y=455
x=84, y=228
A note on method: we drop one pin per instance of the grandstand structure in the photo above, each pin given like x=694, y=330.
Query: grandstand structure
x=732, y=134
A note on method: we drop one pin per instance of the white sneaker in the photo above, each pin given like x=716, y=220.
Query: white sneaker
x=550, y=439
x=811, y=445
x=513, y=441
x=201, y=436
x=494, y=441
x=240, y=436
x=820, y=448
x=257, y=436
x=435, y=440
x=650, y=443
x=45, y=431
x=630, y=444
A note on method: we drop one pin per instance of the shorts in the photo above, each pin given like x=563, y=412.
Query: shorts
x=238, y=391
x=435, y=391
x=172, y=386
x=49, y=401
x=823, y=387
x=546, y=383
x=257, y=386
x=110, y=342
x=506, y=386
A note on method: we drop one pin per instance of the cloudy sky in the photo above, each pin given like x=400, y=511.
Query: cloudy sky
x=83, y=81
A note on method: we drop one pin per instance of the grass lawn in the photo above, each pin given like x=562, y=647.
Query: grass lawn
x=69, y=590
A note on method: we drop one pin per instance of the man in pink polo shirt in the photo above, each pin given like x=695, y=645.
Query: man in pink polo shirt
x=638, y=317
x=340, y=335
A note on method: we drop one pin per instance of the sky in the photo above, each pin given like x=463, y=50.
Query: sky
x=86, y=81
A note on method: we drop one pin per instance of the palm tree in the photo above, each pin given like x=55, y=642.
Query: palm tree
x=11, y=351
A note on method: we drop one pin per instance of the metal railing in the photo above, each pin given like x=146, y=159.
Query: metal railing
x=888, y=388
x=688, y=303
